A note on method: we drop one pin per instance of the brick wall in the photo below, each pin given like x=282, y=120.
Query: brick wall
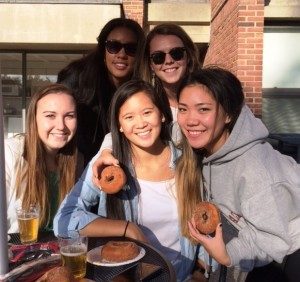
x=134, y=9
x=236, y=43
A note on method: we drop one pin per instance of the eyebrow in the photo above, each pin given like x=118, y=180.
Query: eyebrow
x=199, y=104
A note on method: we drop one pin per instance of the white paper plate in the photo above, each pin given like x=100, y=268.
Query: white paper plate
x=93, y=257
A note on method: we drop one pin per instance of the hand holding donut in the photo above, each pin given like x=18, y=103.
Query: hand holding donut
x=205, y=221
x=112, y=179
x=105, y=158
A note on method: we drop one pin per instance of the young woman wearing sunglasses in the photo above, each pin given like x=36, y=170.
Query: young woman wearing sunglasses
x=167, y=56
x=95, y=77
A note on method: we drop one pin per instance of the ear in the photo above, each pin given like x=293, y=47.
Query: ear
x=121, y=129
x=228, y=119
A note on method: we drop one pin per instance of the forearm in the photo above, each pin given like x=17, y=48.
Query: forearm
x=102, y=227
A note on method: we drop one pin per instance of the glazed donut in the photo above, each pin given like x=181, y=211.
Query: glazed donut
x=206, y=217
x=119, y=251
x=112, y=179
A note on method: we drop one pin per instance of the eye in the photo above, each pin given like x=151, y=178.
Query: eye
x=50, y=116
x=70, y=116
x=128, y=117
x=203, y=109
x=148, y=112
x=181, y=109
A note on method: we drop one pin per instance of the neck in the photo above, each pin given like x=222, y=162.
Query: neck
x=144, y=156
x=51, y=162
x=171, y=91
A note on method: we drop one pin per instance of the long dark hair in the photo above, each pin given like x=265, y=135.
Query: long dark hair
x=227, y=90
x=121, y=146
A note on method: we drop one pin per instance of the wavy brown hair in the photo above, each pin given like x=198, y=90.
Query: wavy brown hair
x=33, y=171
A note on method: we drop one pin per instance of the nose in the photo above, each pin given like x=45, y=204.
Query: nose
x=60, y=123
x=122, y=53
x=169, y=59
x=140, y=122
x=191, y=120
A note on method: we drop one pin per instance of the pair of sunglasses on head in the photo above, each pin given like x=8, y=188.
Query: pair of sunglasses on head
x=158, y=57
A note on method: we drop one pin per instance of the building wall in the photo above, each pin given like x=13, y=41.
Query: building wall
x=236, y=43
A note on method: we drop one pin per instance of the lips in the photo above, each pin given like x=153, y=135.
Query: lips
x=144, y=133
x=170, y=70
x=120, y=65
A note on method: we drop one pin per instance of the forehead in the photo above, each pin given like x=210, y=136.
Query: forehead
x=122, y=34
x=138, y=101
x=196, y=94
x=56, y=101
x=165, y=42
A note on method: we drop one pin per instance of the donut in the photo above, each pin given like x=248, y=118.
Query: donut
x=207, y=217
x=119, y=251
x=112, y=179
x=60, y=273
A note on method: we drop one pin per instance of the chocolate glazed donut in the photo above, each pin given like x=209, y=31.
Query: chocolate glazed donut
x=112, y=179
x=206, y=217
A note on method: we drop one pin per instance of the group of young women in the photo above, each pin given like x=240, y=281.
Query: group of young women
x=218, y=153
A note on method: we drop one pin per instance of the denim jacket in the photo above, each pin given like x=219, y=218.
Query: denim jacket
x=74, y=214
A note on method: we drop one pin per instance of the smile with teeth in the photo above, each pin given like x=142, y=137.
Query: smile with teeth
x=143, y=133
x=195, y=132
x=170, y=70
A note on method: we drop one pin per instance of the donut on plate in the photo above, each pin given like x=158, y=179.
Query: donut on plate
x=119, y=251
x=206, y=217
x=112, y=179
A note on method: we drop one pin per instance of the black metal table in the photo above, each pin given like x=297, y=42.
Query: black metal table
x=104, y=273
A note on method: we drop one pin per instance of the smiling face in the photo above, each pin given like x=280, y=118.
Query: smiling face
x=56, y=120
x=201, y=119
x=170, y=72
x=120, y=65
x=140, y=121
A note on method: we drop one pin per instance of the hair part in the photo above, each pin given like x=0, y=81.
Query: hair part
x=33, y=171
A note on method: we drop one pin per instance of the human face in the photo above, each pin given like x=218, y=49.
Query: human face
x=140, y=121
x=56, y=120
x=170, y=71
x=120, y=65
x=201, y=119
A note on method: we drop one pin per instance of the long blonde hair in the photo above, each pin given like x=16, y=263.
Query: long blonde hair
x=188, y=177
x=31, y=179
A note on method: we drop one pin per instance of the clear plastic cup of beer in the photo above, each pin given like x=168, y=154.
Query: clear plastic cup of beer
x=28, y=221
x=73, y=252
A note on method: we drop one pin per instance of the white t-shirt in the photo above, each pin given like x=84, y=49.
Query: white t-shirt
x=158, y=216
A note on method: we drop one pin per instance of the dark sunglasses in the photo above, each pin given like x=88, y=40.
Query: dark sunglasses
x=114, y=47
x=159, y=57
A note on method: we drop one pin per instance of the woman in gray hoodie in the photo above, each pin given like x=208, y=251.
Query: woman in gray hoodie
x=256, y=188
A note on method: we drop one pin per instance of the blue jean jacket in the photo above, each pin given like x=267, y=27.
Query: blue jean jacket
x=74, y=214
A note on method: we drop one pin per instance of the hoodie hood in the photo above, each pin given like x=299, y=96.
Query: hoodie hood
x=247, y=132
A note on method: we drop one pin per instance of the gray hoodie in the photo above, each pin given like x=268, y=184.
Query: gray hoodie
x=258, y=192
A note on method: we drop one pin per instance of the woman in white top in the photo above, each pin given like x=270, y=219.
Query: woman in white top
x=146, y=208
x=41, y=164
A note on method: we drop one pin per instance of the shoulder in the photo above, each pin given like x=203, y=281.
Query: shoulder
x=14, y=145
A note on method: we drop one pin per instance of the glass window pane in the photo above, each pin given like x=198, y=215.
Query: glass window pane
x=42, y=69
x=11, y=91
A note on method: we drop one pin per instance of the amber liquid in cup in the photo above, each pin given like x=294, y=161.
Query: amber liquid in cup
x=28, y=221
x=73, y=255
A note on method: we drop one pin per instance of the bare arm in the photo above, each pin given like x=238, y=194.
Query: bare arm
x=102, y=227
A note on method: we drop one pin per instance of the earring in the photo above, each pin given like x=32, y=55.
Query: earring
x=121, y=129
x=153, y=78
x=163, y=119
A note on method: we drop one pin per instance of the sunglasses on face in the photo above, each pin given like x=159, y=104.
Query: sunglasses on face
x=114, y=47
x=159, y=57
